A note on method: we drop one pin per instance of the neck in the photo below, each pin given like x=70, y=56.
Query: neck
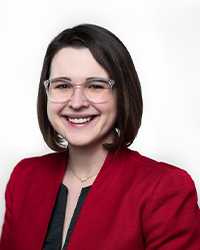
x=86, y=161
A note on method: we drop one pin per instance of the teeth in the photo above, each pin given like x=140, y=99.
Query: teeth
x=81, y=120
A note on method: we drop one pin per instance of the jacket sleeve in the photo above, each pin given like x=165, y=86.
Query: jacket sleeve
x=172, y=219
x=7, y=225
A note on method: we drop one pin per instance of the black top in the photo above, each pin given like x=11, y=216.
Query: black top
x=53, y=239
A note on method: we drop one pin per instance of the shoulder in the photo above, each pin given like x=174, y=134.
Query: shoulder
x=32, y=167
x=43, y=161
x=134, y=160
x=157, y=184
x=138, y=159
x=148, y=172
x=34, y=172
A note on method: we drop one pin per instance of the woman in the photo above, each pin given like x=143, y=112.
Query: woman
x=95, y=193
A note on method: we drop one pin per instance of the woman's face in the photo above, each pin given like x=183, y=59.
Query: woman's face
x=79, y=121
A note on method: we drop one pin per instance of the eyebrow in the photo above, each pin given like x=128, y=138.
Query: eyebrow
x=69, y=79
x=62, y=77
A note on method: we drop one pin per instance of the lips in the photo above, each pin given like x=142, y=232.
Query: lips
x=79, y=120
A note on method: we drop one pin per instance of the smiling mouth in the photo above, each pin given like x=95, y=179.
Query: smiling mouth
x=80, y=120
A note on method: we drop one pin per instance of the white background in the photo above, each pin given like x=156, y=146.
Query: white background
x=163, y=38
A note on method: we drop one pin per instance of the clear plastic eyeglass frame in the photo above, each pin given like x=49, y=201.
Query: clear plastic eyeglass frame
x=80, y=86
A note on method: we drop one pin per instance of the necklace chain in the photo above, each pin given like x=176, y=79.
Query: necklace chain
x=83, y=179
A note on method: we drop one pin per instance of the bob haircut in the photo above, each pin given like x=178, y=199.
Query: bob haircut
x=113, y=56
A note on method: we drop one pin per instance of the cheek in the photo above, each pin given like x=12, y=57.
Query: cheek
x=114, y=110
x=110, y=111
x=53, y=111
x=49, y=111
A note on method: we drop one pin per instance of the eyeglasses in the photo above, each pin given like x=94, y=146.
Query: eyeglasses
x=95, y=90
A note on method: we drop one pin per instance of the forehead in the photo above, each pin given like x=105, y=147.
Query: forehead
x=76, y=64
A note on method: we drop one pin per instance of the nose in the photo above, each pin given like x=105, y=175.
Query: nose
x=78, y=100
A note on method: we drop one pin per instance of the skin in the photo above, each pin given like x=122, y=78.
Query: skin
x=78, y=65
x=85, y=140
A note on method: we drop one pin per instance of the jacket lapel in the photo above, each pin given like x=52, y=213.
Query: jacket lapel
x=42, y=186
x=88, y=231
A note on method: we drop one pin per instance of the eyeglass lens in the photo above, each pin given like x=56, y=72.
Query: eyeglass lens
x=95, y=90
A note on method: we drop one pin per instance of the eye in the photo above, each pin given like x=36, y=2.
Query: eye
x=97, y=85
x=61, y=85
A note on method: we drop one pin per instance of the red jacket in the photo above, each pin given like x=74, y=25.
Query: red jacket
x=134, y=203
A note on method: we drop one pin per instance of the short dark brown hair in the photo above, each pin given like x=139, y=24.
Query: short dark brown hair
x=113, y=56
